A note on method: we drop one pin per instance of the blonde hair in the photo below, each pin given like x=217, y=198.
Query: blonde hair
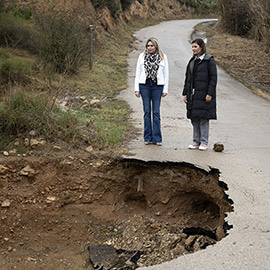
x=155, y=43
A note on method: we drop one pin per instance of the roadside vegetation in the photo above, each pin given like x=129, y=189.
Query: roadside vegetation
x=47, y=85
x=201, y=6
x=248, y=18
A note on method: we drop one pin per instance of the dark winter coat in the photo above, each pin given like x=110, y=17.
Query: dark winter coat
x=204, y=79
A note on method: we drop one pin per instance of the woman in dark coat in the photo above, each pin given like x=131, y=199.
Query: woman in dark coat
x=200, y=93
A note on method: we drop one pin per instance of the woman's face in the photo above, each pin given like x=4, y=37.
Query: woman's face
x=196, y=49
x=150, y=47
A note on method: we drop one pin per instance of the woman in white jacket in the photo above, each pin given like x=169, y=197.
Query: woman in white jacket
x=151, y=82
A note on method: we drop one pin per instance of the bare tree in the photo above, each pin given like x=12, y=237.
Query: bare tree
x=247, y=18
x=260, y=13
x=235, y=16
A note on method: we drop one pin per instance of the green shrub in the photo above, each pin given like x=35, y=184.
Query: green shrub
x=24, y=112
x=16, y=10
x=236, y=16
x=64, y=41
x=98, y=4
x=16, y=33
x=16, y=70
x=126, y=4
x=4, y=53
x=200, y=5
x=112, y=5
x=110, y=123
x=247, y=18
x=2, y=5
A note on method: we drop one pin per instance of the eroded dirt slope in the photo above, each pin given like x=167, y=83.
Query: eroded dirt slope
x=52, y=210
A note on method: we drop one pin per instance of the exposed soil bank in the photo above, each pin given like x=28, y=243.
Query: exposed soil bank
x=53, y=209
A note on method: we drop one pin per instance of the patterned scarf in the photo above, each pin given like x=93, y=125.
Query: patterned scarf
x=151, y=65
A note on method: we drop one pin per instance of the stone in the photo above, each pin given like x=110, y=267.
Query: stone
x=218, y=147
x=89, y=149
x=32, y=133
x=5, y=204
x=36, y=143
x=65, y=162
x=3, y=169
x=165, y=201
x=50, y=199
x=190, y=240
x=95, y=103
x=220, y=233
x=82, y=98
x=30, y=259
x=26, y=142
x=103, y=256
x=13, y=152
x=17, y=142
x=27, y=171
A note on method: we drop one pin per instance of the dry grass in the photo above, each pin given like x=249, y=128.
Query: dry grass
x=245, y=59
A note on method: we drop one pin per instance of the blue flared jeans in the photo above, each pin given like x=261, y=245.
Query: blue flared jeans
x=151, y=96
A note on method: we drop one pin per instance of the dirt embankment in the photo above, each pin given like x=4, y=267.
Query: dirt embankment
x=104, y=20
x=245, y=59
x=53, y=210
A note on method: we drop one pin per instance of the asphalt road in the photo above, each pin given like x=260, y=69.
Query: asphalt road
x=243, y=126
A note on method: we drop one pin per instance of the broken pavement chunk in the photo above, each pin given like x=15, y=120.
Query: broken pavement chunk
x=103, y=256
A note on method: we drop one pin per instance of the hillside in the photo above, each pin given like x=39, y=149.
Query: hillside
x=106, y=18
x=105, y=15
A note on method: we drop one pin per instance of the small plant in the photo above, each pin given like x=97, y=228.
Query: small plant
x=16, y=70
x=2, y=5
x=153, y=5
x=110, y=123
x=16, y=33
x=112, y=5
x=200, y=5
x=126, y=4
x=16, y=10
x=4, y=54
x=24, y=112
x=63, y=41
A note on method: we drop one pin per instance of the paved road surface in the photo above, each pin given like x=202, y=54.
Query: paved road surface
x=243, y=126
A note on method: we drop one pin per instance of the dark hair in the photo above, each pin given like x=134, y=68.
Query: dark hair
x=201, y=43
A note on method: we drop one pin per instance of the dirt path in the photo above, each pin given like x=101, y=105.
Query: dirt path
x=243, y=126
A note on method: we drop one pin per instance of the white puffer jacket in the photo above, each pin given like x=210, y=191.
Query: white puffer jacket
x=162, y=74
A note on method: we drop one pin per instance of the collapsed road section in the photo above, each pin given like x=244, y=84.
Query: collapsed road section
x=107, y=214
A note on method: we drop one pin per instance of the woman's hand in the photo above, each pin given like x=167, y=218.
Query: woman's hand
x=185, y=99
x=164, y=94
x=137, y=94
x=208, y=98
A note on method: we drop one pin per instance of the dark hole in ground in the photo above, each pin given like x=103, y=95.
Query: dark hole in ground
x=137, y=213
